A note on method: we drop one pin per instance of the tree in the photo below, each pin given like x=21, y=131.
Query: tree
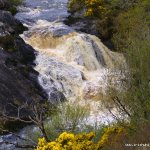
x=37, y=113
x=132, y=38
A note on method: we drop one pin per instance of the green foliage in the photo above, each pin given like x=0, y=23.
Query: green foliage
x=132, y=37
x=127, y=24
x=14, y=4
x=103, y=11
x=68, y=118
x=13, y=10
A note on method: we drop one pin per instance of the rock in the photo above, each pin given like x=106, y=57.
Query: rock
x=18, y=80
x=7, y=18
x=81, y=24
x=9, y=23
x=25, y=52
x=15, y=87
x=9, y=28
x=4, y=4
x=57, y=75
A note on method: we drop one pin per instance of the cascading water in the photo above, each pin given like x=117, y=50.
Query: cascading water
x=75, y=64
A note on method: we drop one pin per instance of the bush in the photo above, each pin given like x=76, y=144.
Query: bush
x=82, y=141
x=69, y=141
x=14, y=4
x=132, y=38
x=111, y=135
x=69, y=117
x=103, y=11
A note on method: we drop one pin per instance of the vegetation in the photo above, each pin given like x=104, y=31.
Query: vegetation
x=14, y=4
x=103, y=11
x=69, y=141
x=127, y=24
x=82, y=141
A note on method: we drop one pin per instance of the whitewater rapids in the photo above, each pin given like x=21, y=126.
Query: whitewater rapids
x=76, y=64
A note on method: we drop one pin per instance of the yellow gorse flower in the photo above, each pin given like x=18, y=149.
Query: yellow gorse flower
x=83, y=141
x=69, y=141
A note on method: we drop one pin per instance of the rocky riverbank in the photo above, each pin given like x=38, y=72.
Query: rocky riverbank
x=18, y=80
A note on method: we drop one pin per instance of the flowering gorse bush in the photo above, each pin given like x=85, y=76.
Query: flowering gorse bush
x=69, y=141
x=110, y=134
x=83, y=141
x=92, y=7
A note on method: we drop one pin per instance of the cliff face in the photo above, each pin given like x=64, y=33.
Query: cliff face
x=18, y=81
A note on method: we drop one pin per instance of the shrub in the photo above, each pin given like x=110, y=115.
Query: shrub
x=69, y=141
x=82, y=141
x=103, y=11
x=111, y=135
x=132, y=38
x=14, y=4
x=67, y=118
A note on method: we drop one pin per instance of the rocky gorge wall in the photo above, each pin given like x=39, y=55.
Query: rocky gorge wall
x=18, y=81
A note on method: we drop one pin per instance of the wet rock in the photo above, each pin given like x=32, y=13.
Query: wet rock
x=81, y=24
x=57, y=75
x=9, y=23
x=7, y=18
x=55, y=96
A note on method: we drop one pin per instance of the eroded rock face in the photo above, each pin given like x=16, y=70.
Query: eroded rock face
x=10, y=24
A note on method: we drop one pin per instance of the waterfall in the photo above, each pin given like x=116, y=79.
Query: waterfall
x=77, y=65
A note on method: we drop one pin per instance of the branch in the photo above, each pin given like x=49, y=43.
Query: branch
x=121, y=106
x=6, y=117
